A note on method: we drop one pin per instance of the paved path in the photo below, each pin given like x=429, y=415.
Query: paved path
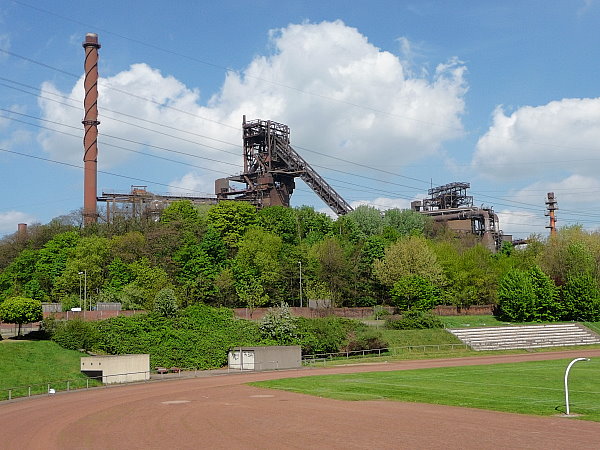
x=223, y=412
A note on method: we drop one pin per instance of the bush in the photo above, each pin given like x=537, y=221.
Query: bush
x=414, y=320
x=199, y=336
x=279, y=325
x=327, y=334
x=366, y=340
x=75, y=334
x=379, y=312
x=165, y=303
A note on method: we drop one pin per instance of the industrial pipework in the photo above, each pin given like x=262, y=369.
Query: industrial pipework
x=90, y=124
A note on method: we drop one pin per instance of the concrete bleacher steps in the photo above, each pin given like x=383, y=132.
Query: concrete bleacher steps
x=526, y=336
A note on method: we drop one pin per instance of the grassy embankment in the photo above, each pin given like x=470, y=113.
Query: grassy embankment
x=433, y=343
x=37, y=364
x=528, y=388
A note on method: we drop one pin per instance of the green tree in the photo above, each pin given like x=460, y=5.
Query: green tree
x=570, y=252
x=415, y=292
x=91, y=256
x=368, y=219
x=196, y=273
x=231, y=219
x=313, y=226
x=258, y=257
x=281, y=221
x=409, y=256
x=52, y=259
x=147, y=282
x=333, y=267
x=526, y=296
x=128, y=247
x=20, y=310
x=581, y=298
x=252, y=294
x=181, y=211
x=406, y=222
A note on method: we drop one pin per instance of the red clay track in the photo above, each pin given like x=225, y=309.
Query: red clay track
x=222, y=412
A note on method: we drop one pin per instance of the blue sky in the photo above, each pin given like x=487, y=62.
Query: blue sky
x=383, y=98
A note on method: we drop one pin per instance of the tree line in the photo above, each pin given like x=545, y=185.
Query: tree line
x=233, y=255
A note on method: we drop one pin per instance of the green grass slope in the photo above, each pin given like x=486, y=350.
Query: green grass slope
x=36, y=363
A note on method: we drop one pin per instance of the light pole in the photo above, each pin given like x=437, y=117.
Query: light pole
x=300, y=263
x=84, y=289
x=80, y=273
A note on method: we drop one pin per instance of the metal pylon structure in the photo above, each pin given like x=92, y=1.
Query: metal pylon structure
x=270, y=168
x=551, y=207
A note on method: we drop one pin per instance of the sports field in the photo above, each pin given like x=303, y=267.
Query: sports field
x=528, y=387
x=225, y=412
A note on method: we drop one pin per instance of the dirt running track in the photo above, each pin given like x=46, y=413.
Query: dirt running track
x=222, y=412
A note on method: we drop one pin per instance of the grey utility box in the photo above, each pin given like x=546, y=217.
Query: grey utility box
x=265, y=358
x=117, y=368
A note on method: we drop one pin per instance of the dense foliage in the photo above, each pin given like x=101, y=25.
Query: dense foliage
x=232, y=255
x=200, y=336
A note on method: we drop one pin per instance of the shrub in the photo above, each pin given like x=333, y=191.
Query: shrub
x=365, y=340
x=327, y=334
x=379, y=312
x=75, y=334
x=165, y=303
x=279, y=325
x=413, y=320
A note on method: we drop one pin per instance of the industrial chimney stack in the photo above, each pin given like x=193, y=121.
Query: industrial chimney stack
x=90, y=125
x=551, y=207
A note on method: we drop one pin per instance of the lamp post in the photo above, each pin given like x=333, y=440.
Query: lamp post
x=84, y=289
x=300, y=263
x=80, y=273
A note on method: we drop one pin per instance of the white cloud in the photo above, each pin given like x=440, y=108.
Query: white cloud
x=521, y=223
x=143, y=82
x=332, y=67
x=560, y=137
x=383, y=203
x=10, y=219
x=192, y=184
x=574, y=190
x=339, y=94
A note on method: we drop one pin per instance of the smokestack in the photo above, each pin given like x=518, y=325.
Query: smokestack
x=551, y=206
x=22, y=230
x=90, y=124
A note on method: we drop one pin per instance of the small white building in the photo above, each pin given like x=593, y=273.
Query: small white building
x=117, y=368
x=272, y=357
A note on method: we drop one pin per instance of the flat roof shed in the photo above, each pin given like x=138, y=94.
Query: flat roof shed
x=117, y=368
x=270, y=357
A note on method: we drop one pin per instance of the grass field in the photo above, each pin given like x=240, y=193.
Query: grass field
x=471, y=321
x=402, y=338
x=35, y=364
x=529, y=388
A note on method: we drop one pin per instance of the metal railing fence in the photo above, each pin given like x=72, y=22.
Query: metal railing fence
x=54, y=387
x=388, y=351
